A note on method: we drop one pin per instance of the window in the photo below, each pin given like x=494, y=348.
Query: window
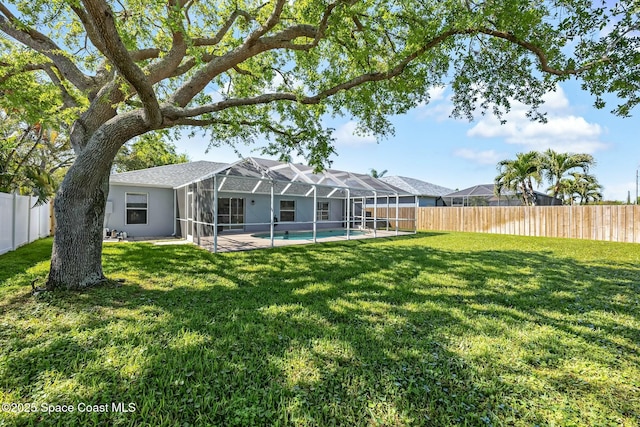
x=287, y=210
x=322, y=211
x=231, y=211
x=136, y=206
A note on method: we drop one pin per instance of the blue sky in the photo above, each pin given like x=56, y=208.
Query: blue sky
x=430, y=146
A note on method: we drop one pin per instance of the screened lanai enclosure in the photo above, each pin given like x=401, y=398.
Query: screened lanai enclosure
x=273, y=201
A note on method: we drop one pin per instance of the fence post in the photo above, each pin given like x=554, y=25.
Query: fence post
x=29, y=221
x=13, y=221
x=52, y=218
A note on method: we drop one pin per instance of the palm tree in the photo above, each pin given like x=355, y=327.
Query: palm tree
x=557, y=165
x=518, y=176
x=376, y=174
x=566, y=190
x=582, y=186
x=589, y=190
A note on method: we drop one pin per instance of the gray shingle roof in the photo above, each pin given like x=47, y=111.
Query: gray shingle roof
x=484, y=190
x=477, y=191
x=416, y=187
x=168, y=176
x=293, y=178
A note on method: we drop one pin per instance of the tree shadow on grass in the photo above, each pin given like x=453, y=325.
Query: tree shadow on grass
x=16, y=263
x=359, y=333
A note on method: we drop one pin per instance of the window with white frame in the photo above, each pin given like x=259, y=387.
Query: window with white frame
x=287, y=210
x=322, y=211
x=136, y=208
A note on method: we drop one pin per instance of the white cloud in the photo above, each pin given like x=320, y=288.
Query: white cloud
x=555, y=101
x=439, y=106
x=347, y=135
x=436, y=93
x=439, y=112
x=487, y=157
x=562, y=132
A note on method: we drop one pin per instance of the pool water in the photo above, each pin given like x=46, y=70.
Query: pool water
x=308, y=235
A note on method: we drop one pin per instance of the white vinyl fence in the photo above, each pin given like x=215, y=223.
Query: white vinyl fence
x=21, y=222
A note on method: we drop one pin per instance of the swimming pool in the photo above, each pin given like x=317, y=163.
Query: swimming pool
x=308, y=235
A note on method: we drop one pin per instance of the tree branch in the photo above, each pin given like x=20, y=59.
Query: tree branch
x=272, y=21
x=322, y=27
x=102, y=19
x=68, y=100
x=539, y=53
x=175, y=112
x=224, y=29
x=92, y=32
x=42, y=44
x=164, y=68
x=283, y=39
x=24, y=69
x=221, y=64
x=144, y=54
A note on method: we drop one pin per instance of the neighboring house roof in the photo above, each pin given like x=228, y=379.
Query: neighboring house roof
x=168, y=176
x=484, y=190
x=416, y=186
x=481, y=190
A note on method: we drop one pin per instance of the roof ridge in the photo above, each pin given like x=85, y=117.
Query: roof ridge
x=169, y=165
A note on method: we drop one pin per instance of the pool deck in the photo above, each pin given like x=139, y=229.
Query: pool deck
x=228, y=242
x=233, y=241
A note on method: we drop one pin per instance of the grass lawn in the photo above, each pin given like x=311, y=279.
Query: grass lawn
x=433, y=329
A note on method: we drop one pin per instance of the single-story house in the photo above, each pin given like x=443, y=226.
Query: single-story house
x=484, y=195
x=199, y=200
x=141, y=202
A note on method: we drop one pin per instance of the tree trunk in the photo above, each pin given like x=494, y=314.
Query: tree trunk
x=76, y=261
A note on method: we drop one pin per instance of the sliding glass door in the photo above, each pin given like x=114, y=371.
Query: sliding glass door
x=231, y=213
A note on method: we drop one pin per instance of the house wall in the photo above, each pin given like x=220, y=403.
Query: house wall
x=160, y=211
x=257, y=210
x=260, y=211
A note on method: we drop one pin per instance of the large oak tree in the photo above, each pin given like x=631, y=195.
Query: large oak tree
x=244, y=68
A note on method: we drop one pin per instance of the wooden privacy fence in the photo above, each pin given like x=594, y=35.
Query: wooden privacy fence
x=617, y=223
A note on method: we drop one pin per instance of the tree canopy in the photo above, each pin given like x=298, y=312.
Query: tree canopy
x=147, y=151
x=243, y=69
x=33, y=158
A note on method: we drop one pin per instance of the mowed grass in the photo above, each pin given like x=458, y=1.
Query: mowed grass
x=432, y=329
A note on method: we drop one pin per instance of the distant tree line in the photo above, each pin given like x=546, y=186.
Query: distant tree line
x=147, y=151
x=567, y=175
x=35, y=155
